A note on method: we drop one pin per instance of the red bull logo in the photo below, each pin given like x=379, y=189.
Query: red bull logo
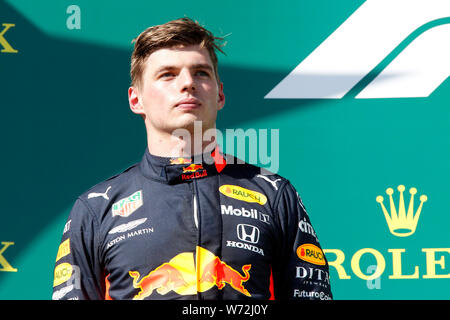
x=192, y=168
x=220, y=273
x=163, y=279
x=180, y=161
x=185, y=276
x=192, y=172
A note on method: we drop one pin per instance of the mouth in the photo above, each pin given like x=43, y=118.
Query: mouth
x=188, y=104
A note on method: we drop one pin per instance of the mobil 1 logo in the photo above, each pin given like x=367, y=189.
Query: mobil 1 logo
x=243, y=212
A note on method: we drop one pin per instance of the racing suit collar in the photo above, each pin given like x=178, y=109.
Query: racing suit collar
x=182, y=169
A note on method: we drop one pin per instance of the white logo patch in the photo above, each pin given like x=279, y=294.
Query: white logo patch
x=127, y=226
x=98, y=194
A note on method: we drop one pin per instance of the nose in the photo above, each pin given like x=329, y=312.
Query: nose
x=186, y=81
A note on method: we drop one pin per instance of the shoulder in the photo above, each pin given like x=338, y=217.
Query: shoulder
x=103, y=188
x=99, y=198
x=271, y=184
x=259, y=175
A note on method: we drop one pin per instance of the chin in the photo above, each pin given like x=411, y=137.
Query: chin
x=189, y=123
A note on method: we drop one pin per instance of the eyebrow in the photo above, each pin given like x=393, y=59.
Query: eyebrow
x=202, y=66
x=194, y=66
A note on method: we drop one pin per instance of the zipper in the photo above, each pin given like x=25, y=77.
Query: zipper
x=195, y=211
x=197, y=256
x=195, y=204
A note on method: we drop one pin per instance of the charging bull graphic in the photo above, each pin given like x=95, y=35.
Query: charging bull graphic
x=182, y=276
x=219, y=273
x=165, y=278
x=192, y=168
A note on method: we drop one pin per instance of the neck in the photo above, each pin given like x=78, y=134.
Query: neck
x=181, y=143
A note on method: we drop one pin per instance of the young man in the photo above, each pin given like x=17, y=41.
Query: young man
x=180, y=226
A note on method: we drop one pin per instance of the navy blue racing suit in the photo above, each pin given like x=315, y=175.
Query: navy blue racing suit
x=175, y=229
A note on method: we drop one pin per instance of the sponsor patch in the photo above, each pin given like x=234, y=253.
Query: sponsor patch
x=246, y=246
x=243, y=194
x=311, y=253
x=246, y=213
x=63, y=272
x=64, y=249
x=127, y=226
x=104, y=195
x=194, y=171
x=67, y=226
x=180, y=160
x=192, y=168
x=128, y=205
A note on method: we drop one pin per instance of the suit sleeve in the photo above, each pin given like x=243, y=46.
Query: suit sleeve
x=301, y=270
x=78, y=273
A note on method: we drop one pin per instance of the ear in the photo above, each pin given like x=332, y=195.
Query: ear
x=221, y=97
x=135, y=101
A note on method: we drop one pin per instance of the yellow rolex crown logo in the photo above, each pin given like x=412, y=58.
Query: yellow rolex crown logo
x=400, y=222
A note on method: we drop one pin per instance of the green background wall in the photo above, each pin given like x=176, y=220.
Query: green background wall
x=66, y=125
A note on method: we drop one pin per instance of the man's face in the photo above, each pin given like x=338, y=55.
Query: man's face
x=178, y=87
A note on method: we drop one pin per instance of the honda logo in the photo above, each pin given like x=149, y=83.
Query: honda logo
x=248, y=233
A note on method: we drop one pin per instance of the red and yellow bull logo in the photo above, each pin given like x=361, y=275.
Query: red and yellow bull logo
x=192, y=172
x=180, y=161
x=185, y=276
x=163, y=279
x=220, y=273
x=192, y=168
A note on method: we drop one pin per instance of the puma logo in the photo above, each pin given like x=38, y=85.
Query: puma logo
x=98, y=194
x=273, y=183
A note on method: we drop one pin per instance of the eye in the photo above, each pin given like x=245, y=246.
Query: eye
x=202, y=73
x=167, y=75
